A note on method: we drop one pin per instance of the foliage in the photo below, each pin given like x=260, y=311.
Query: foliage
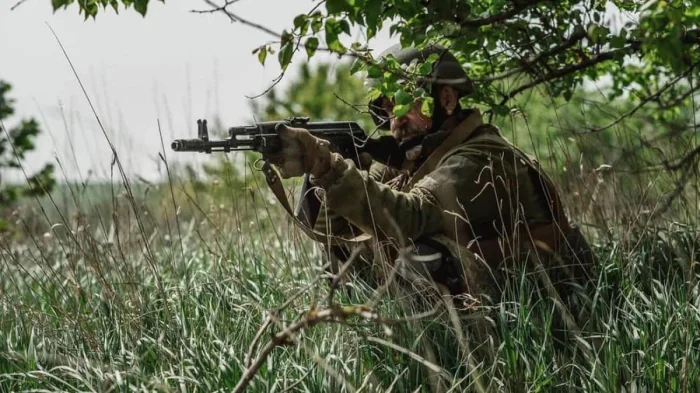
x=90, y=8
x=15, y=143
x=325, y=92
x=641, y=45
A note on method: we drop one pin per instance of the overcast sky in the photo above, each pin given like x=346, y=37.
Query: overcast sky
x=173, y=65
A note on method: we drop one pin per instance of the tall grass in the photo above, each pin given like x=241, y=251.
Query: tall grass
x=87, y=307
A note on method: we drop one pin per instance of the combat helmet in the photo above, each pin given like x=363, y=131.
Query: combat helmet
x=446, y=71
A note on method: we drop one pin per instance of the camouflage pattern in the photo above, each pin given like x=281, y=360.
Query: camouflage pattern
x=479, y=190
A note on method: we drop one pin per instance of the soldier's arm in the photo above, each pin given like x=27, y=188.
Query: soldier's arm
x=379, y=210
x=331, y=222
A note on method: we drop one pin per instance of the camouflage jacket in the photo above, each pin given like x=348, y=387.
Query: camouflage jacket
x=481, y=189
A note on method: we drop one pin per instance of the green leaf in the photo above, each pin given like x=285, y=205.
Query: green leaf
x=311, y=45
x=400, y=110
x=374, y=72
x=333, y=29
x=141, y=6
x=286, y=37
x=618, y=42
x=425, y=69
x=262, y=55
x=301, y=23
x=427, y=106
x=357, y=66
x=373, y=94
x=317, y=25
x=337, y=6
x=285, y=55
x=344, y=26
x=299, y=20
x=372, y=11
x=403, y=98
x=60, y=3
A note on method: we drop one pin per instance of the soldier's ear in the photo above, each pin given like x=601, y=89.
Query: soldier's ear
x=448, y=98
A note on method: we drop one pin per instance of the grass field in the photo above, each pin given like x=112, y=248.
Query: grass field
x=108, y=289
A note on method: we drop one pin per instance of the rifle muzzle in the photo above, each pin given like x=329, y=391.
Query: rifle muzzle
x=188, y=145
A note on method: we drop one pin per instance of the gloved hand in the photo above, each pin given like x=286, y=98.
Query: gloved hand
x=301, y=153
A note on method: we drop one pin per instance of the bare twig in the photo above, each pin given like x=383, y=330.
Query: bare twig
x=216, y=8
x=335, y=314
x=254, y=343
x=298, y=381
x=17, y=4
x=527, y=64
x=234, y=17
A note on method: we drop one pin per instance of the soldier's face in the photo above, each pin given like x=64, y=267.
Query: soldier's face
x=410, y=125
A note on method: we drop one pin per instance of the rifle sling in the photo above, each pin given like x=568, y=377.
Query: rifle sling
x=275, y=184
x=459, y=135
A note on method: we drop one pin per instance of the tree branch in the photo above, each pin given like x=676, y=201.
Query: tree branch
x=236, y=18
x=563, y=72
x=527, y=64
x=647, y=99
x=518, y=7
x=19, y=3
x=686, y=161
x=233, y=17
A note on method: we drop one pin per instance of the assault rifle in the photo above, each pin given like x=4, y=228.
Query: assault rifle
x=346, y=138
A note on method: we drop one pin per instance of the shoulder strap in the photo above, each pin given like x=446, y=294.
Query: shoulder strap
x=460, y=134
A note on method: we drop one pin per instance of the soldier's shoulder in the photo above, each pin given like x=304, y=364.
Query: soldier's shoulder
x=486, y=140
x=488, y=143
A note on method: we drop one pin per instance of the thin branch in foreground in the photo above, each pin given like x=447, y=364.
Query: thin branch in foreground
x=249, y=356
x=335, y=314
x=236, y=18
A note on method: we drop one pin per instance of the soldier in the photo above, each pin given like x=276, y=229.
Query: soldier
x=463, y=197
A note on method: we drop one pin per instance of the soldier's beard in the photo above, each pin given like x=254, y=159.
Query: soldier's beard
x=410, y=138
x=408, y=132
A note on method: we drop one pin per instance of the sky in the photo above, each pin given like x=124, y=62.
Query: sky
x=173, y=67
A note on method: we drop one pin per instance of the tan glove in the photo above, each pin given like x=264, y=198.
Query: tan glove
x=301, y=153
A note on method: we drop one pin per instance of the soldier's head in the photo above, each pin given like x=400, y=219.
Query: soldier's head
x=446, y=85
